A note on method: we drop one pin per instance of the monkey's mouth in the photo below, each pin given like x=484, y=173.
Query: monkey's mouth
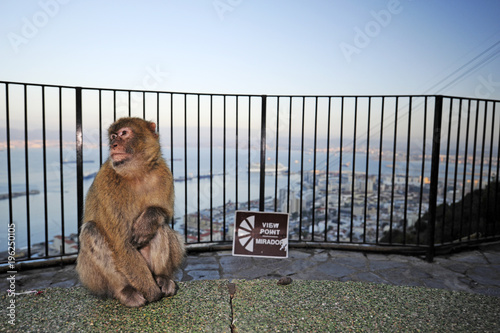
x=119, y=157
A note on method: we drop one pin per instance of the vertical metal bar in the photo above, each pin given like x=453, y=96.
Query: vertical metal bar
x=172, y=156
x=79, y=155
x=464, y=184
x=263, y=154
x=445, y=191
x=129, y=103
x=158, y=111
x=114, y=105
x=497, y=176
x=198, y=143
x=380, y=167
x=158, y=127
x=26, y=157
x=457, y=156
x=236, y=153
x=314, y=168
x=353, y=175
x=327, y=166
x=302, y=169
x=393, y=185
x=211, y=158
x=276, y=158
x=100, y=127
x=424, y=136
x=405, y=220
x=249, y=148
x=436, y=146
x=186, y=217
x=9, y=158
x=340, y=165
x=471, y=213
x=61, y=164
x=289, y=155
x=143, y=105
x=367, y=168
x=172, y=133
x=490, y=183
x=480, y=205
x=224, y=116
x=44, y=166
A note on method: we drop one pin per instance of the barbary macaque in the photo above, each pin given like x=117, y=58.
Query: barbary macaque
x=127, y=249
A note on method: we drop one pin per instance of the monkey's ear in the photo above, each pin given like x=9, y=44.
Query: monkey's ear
x=152, y=128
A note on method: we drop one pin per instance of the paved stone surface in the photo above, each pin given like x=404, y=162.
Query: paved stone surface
x=476, y=271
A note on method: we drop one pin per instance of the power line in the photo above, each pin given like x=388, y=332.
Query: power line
x=483, y=58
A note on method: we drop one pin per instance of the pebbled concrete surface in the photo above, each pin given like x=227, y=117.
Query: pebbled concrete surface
x=476, y=271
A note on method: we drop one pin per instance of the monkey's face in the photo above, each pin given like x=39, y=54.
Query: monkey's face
x=121, y=145
x=133, y=145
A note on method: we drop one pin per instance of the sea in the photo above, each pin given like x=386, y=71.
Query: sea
x=53, y=211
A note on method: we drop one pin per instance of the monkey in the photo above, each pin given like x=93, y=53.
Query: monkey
x=127, y=250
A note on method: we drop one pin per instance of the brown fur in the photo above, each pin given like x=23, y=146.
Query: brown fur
x=127, y=250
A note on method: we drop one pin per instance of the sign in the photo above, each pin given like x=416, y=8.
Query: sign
x=260, y=234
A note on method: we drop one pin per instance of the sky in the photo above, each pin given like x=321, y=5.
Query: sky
x=334, y=47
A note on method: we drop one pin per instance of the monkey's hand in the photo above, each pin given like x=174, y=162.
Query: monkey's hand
x=146, y=226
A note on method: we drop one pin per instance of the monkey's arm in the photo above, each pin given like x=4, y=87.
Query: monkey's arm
x=146, y=226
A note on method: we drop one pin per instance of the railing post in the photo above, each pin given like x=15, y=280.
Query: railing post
x=262, y=193
x=9, y=159
x=79, y=156
x=436, y=145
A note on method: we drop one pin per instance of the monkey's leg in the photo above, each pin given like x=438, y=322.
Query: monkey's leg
x=133, y=266
x=98, y=272
x=164, y=254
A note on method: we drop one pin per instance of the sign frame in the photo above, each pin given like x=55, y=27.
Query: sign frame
x=261, y=234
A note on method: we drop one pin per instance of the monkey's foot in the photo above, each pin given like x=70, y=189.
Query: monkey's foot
x=129, y=296
x=168, y=286
x=153, y=294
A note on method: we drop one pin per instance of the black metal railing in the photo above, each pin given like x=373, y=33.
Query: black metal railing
x=400, y=172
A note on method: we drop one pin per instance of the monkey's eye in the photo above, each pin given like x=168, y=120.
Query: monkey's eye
x=113, y=136
x=123, y=133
